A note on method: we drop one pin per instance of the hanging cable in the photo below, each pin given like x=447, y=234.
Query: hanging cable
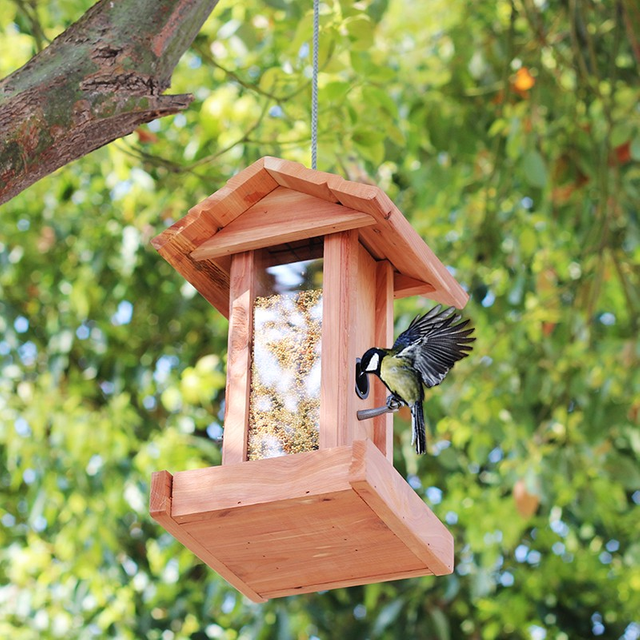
x=314, y=86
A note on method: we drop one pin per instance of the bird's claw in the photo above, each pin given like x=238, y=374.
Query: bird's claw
x=391, y=406
x=393, y=403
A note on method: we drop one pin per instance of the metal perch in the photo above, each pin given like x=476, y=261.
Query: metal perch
x=393, y=404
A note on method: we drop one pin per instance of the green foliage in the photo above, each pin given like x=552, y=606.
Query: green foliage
x=509, y=133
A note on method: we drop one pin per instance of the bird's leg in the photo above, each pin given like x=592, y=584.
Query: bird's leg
x=392, y=405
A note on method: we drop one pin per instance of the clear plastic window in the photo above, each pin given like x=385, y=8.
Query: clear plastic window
x=284, y=410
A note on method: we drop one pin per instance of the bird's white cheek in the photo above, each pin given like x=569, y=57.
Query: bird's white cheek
x=374, y=362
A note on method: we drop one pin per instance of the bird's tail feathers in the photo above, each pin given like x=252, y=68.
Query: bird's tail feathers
x=419, y=435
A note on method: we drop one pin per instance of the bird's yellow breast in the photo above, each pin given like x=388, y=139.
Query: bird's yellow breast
x=401, y=378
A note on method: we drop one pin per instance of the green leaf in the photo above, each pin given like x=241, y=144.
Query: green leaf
x=535, y=170
x=498, y=127
x=377, y=97
x=621, y=133
x=441, y=624
x=387, y=616
x=361, y=32
x=367, y=137
x=625, y=471
x=334, y=91
x=528, y=241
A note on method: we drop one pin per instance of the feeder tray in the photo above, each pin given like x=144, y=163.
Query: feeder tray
x=320, y=520
x=338, y=515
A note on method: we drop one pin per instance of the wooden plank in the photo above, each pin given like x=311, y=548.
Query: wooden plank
x=343, y=583
x=293, y=175
x=363, y=197
x=210, y=278
x=401, y=509
x=240, y=192
x=160, y=498
x=417, y=262
x=383, y=425
x=396, y=240
x=324, y=519
x=160, y=511
x=447, y=289
x=236, y=420
x=282, y=216
x=405, y=286
x=364, y=332
x=199, y=492
x=337, y=398
x=335, y=536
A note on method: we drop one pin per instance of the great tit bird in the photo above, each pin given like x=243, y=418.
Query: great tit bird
x=420, y=357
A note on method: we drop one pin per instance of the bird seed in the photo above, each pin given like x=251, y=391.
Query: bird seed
x=284, y=407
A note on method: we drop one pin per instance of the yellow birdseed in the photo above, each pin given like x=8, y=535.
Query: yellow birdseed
x=284, y=407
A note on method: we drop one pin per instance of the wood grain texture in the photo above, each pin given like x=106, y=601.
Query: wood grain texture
x=239, y=193
x=364, y=197
x=364, y=323
x=337, y=397
x=296, y=176
x=405, y=286
x=160, y=510
x=209, y=277
x=284, y=215
x=397, y=504
x=200, y=492
x=383, y=337
x=394, y=239
x=236, y=420
x=160, y=498
x=348, y=582
x=323, y=519
x=287, y=546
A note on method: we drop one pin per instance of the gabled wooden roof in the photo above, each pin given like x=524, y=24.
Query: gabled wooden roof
x=274, y=201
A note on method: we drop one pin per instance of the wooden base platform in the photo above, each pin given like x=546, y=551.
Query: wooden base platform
x=301, y=523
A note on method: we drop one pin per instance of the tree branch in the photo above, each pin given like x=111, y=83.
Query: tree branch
x=96, y=82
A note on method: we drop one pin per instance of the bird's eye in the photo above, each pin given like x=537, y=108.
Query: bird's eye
x=362, y=381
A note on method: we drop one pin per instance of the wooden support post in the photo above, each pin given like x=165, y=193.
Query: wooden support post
x=337, y=407
x=383, y=337
x=241, y=297
x=364, y=332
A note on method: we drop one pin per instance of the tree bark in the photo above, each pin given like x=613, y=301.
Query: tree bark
x=96, y=82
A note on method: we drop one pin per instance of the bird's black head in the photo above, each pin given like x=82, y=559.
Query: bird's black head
x=371, y=360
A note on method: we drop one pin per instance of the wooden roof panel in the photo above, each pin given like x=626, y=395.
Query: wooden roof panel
x=284, y=215
x=212, y=229
x=241, y=192
x=295, y=176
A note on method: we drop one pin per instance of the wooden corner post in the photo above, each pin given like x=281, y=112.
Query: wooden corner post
x=383, y=337
x=337, y=406
x=241, y=297
x=357, y=315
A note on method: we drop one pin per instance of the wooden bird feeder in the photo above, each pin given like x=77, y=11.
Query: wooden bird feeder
x=306, y=266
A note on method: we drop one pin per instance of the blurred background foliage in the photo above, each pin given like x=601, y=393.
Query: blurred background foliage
x=509, y=133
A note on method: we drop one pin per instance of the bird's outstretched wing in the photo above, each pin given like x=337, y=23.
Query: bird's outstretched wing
x=434, y=342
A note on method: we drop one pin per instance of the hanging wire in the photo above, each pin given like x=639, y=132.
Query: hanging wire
x=314, y=86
